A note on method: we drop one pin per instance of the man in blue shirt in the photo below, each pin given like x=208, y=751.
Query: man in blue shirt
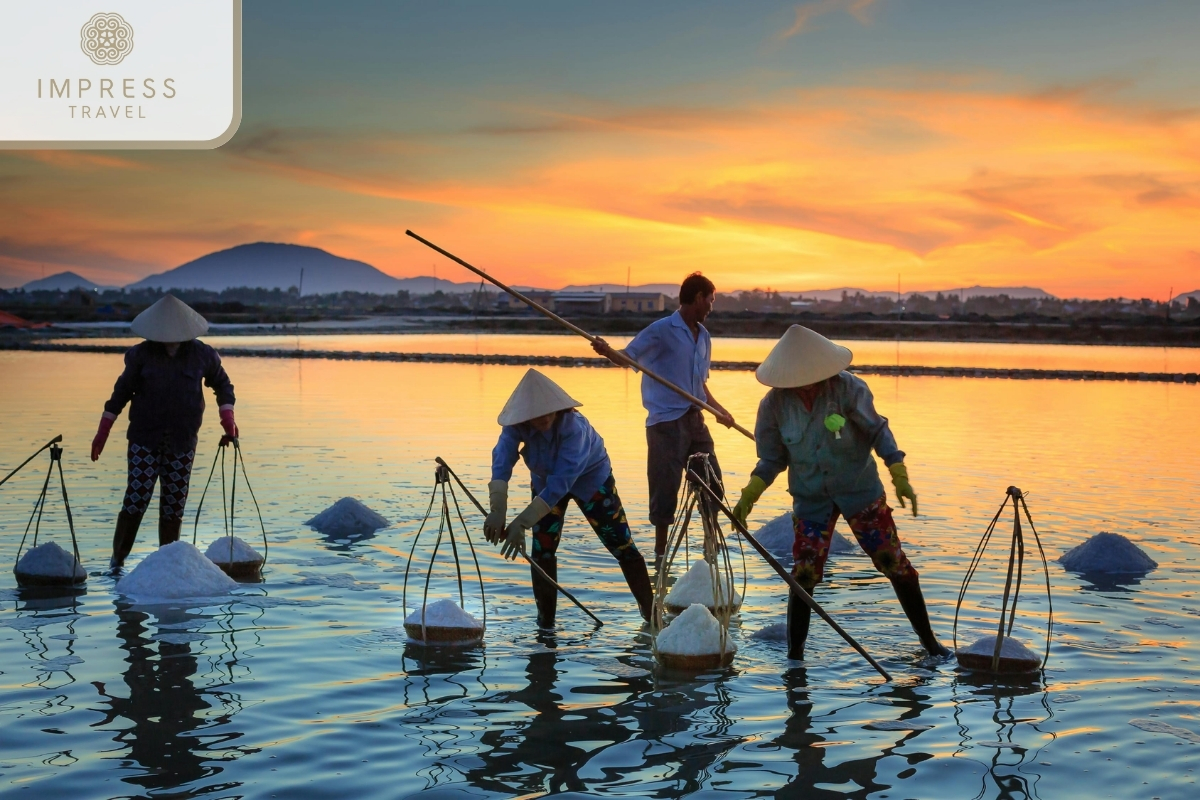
x=678, y=349
x=819, y=423
x=566, y=459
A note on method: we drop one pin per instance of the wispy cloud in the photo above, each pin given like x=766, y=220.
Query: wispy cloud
x=861, y=10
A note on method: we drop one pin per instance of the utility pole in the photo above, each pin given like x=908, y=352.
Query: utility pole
x=1170, y=295
x=300, y=289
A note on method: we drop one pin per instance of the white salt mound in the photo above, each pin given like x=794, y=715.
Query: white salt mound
x=175, y=570
x=347, y=517
x=444, y=614
x=50, y=561
x=695, y=632
x=1107, y=552
x=778, y=536
x=696, y=586
x=218, y=551
x=771, y=633
x=1010, y=648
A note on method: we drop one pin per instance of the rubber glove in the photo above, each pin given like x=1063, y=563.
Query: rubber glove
x=903, y=487
x=106, y=423
x=493, y=526
x=514, y=536
x=227, y=423
x=750, y=495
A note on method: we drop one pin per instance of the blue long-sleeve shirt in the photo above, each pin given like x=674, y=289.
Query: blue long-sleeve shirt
x=823, y=469
x=667, y=348
x=570, y=458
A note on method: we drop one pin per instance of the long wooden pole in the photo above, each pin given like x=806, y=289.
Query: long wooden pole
x=797, y=589
x=629, y=362
x=532, y=563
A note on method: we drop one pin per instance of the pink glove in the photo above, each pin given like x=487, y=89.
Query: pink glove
x=106, y=423
x=227, y=422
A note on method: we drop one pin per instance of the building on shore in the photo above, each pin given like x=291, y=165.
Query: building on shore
x=589, y=302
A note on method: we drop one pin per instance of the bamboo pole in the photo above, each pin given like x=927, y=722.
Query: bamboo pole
x=532, y=563
x=797, y=589
x=629, y=362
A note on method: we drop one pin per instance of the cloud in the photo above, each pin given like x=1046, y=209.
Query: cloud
x=807, y=12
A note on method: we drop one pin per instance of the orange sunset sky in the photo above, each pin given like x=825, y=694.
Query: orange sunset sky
x=796, y=146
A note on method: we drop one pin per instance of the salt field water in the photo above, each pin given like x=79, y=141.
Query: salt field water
x=303, y=685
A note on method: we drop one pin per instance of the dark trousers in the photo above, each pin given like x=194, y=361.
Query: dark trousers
x=172, y=471
x=668, y=446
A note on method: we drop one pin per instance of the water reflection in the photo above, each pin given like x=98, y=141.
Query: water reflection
x=1011, y=753
x=169, y=726
x=52, y=656
x=615, y=733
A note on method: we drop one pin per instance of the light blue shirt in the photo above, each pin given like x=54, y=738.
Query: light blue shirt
x=825, y=469
x=567, y=459
x=667, y=348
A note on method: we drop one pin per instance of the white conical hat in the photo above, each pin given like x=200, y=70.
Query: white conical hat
x=801, y=357
x=534, y=396
x=169, y=320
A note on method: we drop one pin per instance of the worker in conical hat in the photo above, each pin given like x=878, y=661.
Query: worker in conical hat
x=566, y=460
x=819, y=423
x=162, y=385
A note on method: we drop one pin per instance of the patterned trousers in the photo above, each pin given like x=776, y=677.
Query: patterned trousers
x=875, y=531
x=606, y=515
x=173, y=471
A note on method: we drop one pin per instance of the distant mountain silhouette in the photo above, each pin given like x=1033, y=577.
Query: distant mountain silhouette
x=61, y=282
x=1015, y=292
x=268, y=265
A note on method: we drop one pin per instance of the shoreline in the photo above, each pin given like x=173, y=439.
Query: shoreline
x=898, y=370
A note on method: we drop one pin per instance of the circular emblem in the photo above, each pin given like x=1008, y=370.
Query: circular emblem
x=106, y=39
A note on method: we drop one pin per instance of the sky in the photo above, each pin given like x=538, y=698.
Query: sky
x=790, y=146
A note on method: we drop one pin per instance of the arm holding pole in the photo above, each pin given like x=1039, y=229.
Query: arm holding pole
x=621, y=358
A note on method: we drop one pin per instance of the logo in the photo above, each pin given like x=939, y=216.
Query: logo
x=106, y=39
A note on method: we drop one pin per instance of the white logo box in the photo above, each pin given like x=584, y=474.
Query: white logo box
x=132, y=74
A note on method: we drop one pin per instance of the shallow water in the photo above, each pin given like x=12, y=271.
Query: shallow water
x=303, y=685
x=866, y=351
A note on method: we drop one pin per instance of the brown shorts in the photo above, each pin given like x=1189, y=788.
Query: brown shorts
x=669, y=444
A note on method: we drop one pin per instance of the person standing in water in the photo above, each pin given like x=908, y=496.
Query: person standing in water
x=819, y=423
x=162, y=385
x=566, y=460
x=678, y=349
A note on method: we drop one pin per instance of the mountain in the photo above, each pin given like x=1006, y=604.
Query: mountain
x=1183, y=298
x=268, y=265
x=669, y=289
x=61, y=282
x=424, y=284
x=1015, y=292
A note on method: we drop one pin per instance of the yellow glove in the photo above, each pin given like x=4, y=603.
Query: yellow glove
x=903, y=487
x=493, y=526
x=514, y=538
x=750, y=495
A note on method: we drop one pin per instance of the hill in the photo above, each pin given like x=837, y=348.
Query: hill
x=269, y=265
x=62, y=282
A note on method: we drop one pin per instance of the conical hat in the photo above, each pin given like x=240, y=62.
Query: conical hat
x=801, y=357
x=169, y=320
x=535, y=396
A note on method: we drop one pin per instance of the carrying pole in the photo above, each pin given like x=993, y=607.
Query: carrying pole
x=797, y=589
x=50, y=443
x=629, y=362
x=532, y=563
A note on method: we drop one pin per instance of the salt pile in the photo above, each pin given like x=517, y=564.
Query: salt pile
x=445, y=623
x=693, y=641
x=218, y=551
x=778, y=535
x=1014, y=656
x=49, y=563
x=1107, y=552
x=347, y=517
x=696, y=586
x=175, y=570
x=771, y=633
